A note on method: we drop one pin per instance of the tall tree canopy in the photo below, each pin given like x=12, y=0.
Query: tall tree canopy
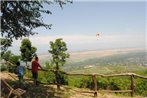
x=58, y=51
x=18, y=18
x=27, y=50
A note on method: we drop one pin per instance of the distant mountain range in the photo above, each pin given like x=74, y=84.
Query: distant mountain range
x=88, y=59
x=82, y=55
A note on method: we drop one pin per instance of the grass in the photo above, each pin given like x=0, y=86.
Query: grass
x=112, y=69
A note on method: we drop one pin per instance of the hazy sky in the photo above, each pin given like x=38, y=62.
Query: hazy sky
x=120, y=25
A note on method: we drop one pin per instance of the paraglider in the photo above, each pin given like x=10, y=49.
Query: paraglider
x=97, y=35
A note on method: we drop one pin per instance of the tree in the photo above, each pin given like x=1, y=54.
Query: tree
x=5, y=43
x=59, y=55
x=18, y=18
x=14, y=59
x=27, y=50
x=6, y=56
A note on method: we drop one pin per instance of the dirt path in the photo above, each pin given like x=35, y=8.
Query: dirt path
x=6, y=75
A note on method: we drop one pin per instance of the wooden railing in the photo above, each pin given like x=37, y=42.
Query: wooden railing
x=94, y=76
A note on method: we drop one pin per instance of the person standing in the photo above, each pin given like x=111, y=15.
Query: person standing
x=20, y=73
x=35, y=66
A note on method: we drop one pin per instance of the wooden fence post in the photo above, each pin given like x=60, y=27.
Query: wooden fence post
x=95, y=85
x=132, y=85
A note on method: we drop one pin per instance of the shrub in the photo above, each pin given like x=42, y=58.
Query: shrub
x=3, y=67
x=12, y=69
x=141, y=87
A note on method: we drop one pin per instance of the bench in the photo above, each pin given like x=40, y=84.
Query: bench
x=8, y=90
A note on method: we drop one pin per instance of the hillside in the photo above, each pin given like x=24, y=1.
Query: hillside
x=112, y=61
x=84, y=55
x=50, y=91
x=104, y=61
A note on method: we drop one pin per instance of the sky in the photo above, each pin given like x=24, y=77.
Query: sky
x=120, y=24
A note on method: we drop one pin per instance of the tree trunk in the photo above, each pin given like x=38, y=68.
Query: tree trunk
x=57, y=76
x=27, y=64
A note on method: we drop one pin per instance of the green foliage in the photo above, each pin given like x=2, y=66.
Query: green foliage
x=12, y=69
x=20, y=17
x=59, y=55
x=6, y=56
x=5, y=43
x=28, y=73
x=102, y=83
x=127, y=62
x=112, y=83
x=58, y=51
x=47, y=76
x=27, y=50
x=80, y=81
x=14, y=59
x=119, y=83
x=63, y=79
x=86, y=82
x=3, y=67
x=141, y=87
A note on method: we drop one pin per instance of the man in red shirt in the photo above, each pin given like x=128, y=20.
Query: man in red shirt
x=35, y=66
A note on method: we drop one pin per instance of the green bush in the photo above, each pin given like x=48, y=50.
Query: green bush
x=12, y=69
x=80, y=81
x=86, y=82
x=14, y=59
x=102, y=83
x=141, y=87
x=46, y=77
x=63, y=79
x=112, y=83
x=3, y=67
x=119, y=83
x=50, y=78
